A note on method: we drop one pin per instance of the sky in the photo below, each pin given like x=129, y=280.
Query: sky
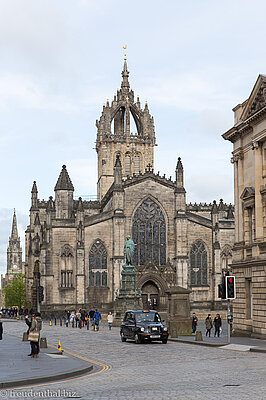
x=60, y=61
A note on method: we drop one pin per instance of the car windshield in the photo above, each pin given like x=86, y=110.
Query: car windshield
x=147, y=317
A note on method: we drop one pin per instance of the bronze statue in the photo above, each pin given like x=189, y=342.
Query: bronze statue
x=129, y=248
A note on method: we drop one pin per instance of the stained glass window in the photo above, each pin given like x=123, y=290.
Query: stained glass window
x=98, y=265
x=149, y=234
x=198, y=264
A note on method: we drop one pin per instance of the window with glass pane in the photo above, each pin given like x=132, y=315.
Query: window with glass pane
x=98, y=265
x=198, y=264
x=149, y=234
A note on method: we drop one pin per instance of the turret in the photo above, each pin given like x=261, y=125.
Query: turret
x=64, y=195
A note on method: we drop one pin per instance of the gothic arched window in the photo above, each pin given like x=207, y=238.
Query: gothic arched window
x=149, y=234
x=198, y=264
x=98, y=265
x=66, y=266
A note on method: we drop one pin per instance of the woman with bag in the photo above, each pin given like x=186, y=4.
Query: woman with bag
x=33, y=337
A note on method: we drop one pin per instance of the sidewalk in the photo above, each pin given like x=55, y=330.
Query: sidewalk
x=17, y=369
x=236, y=343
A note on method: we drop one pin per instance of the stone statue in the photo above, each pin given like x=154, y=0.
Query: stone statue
x=129, y=248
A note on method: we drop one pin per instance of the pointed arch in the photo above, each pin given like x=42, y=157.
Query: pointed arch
x=198, y=264
x=98, y=264
x=149, y=233
x=66, y=266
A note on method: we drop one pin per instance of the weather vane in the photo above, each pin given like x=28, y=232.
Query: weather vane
x=125, y=55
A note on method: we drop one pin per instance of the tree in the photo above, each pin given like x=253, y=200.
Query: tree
x=15, y=291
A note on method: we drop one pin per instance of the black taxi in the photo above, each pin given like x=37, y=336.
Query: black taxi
x=143, y=325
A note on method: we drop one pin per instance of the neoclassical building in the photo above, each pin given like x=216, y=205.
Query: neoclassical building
x=77, y=245
x=248, y=136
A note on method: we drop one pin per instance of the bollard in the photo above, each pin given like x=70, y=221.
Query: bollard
x=61, y=322
x=198, y=336
x=55, y=320
x=50, y=323
x=43, y=343
x=25, y=337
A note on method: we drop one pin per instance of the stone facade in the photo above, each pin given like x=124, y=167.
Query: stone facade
x=248, y=136
x=78, y=245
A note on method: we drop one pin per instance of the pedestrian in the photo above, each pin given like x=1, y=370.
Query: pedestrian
x=97, y=318
x=33, y=337
x=194, y=319
x=78, y=315
x=208, y=324
x=217, y=322
x=39, y=328
x=110, y=319
x=28, y=322
x=91, y=315
x=72, y=318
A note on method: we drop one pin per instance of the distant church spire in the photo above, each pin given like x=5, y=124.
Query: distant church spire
x=14, y=234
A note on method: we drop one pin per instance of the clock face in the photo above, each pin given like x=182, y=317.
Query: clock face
x=15, y=266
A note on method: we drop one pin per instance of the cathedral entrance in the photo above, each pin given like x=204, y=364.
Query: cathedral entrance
x=150, y=295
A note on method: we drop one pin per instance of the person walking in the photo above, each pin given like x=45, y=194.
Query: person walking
x=217, y=325
x=208, y=324
x=110, y=320
x=72, y=318
x=34, y=337
x=194, y=319
x=28, y=322
x=97, y=318
x=39, y=328
x=91, y=315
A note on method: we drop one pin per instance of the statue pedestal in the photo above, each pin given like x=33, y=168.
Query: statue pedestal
x=179, y=310
x=128, y=297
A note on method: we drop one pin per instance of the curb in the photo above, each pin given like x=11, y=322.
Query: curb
x=257, y=350
x=45, y=379
x=199, y=343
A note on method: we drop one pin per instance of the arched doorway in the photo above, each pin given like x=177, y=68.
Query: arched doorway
x=150, y=295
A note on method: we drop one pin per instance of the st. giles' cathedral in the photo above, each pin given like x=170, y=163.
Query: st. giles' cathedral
x=76, y=246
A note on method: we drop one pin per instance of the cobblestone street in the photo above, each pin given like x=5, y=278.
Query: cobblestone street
x=149, y=371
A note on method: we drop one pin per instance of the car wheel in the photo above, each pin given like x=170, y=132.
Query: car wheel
x=123, y=339
x=137, y=339
x=164, y=341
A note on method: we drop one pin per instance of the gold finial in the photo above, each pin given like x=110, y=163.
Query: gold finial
x=125, y=55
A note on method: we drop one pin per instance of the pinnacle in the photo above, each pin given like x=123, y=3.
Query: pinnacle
x=64, y=181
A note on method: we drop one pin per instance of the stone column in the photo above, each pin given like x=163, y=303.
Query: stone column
x=258, y=197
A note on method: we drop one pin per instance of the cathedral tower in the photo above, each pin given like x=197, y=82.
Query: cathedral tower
x=14, y=251
x=126, y=130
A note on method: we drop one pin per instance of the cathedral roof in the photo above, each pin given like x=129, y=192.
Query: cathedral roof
x=64, y=181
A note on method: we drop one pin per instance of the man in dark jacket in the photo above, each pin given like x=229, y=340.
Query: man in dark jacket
x=194, y=322
x=28, y=322
x=217, y=322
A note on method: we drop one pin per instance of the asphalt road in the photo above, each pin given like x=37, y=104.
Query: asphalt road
x=150, y=371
